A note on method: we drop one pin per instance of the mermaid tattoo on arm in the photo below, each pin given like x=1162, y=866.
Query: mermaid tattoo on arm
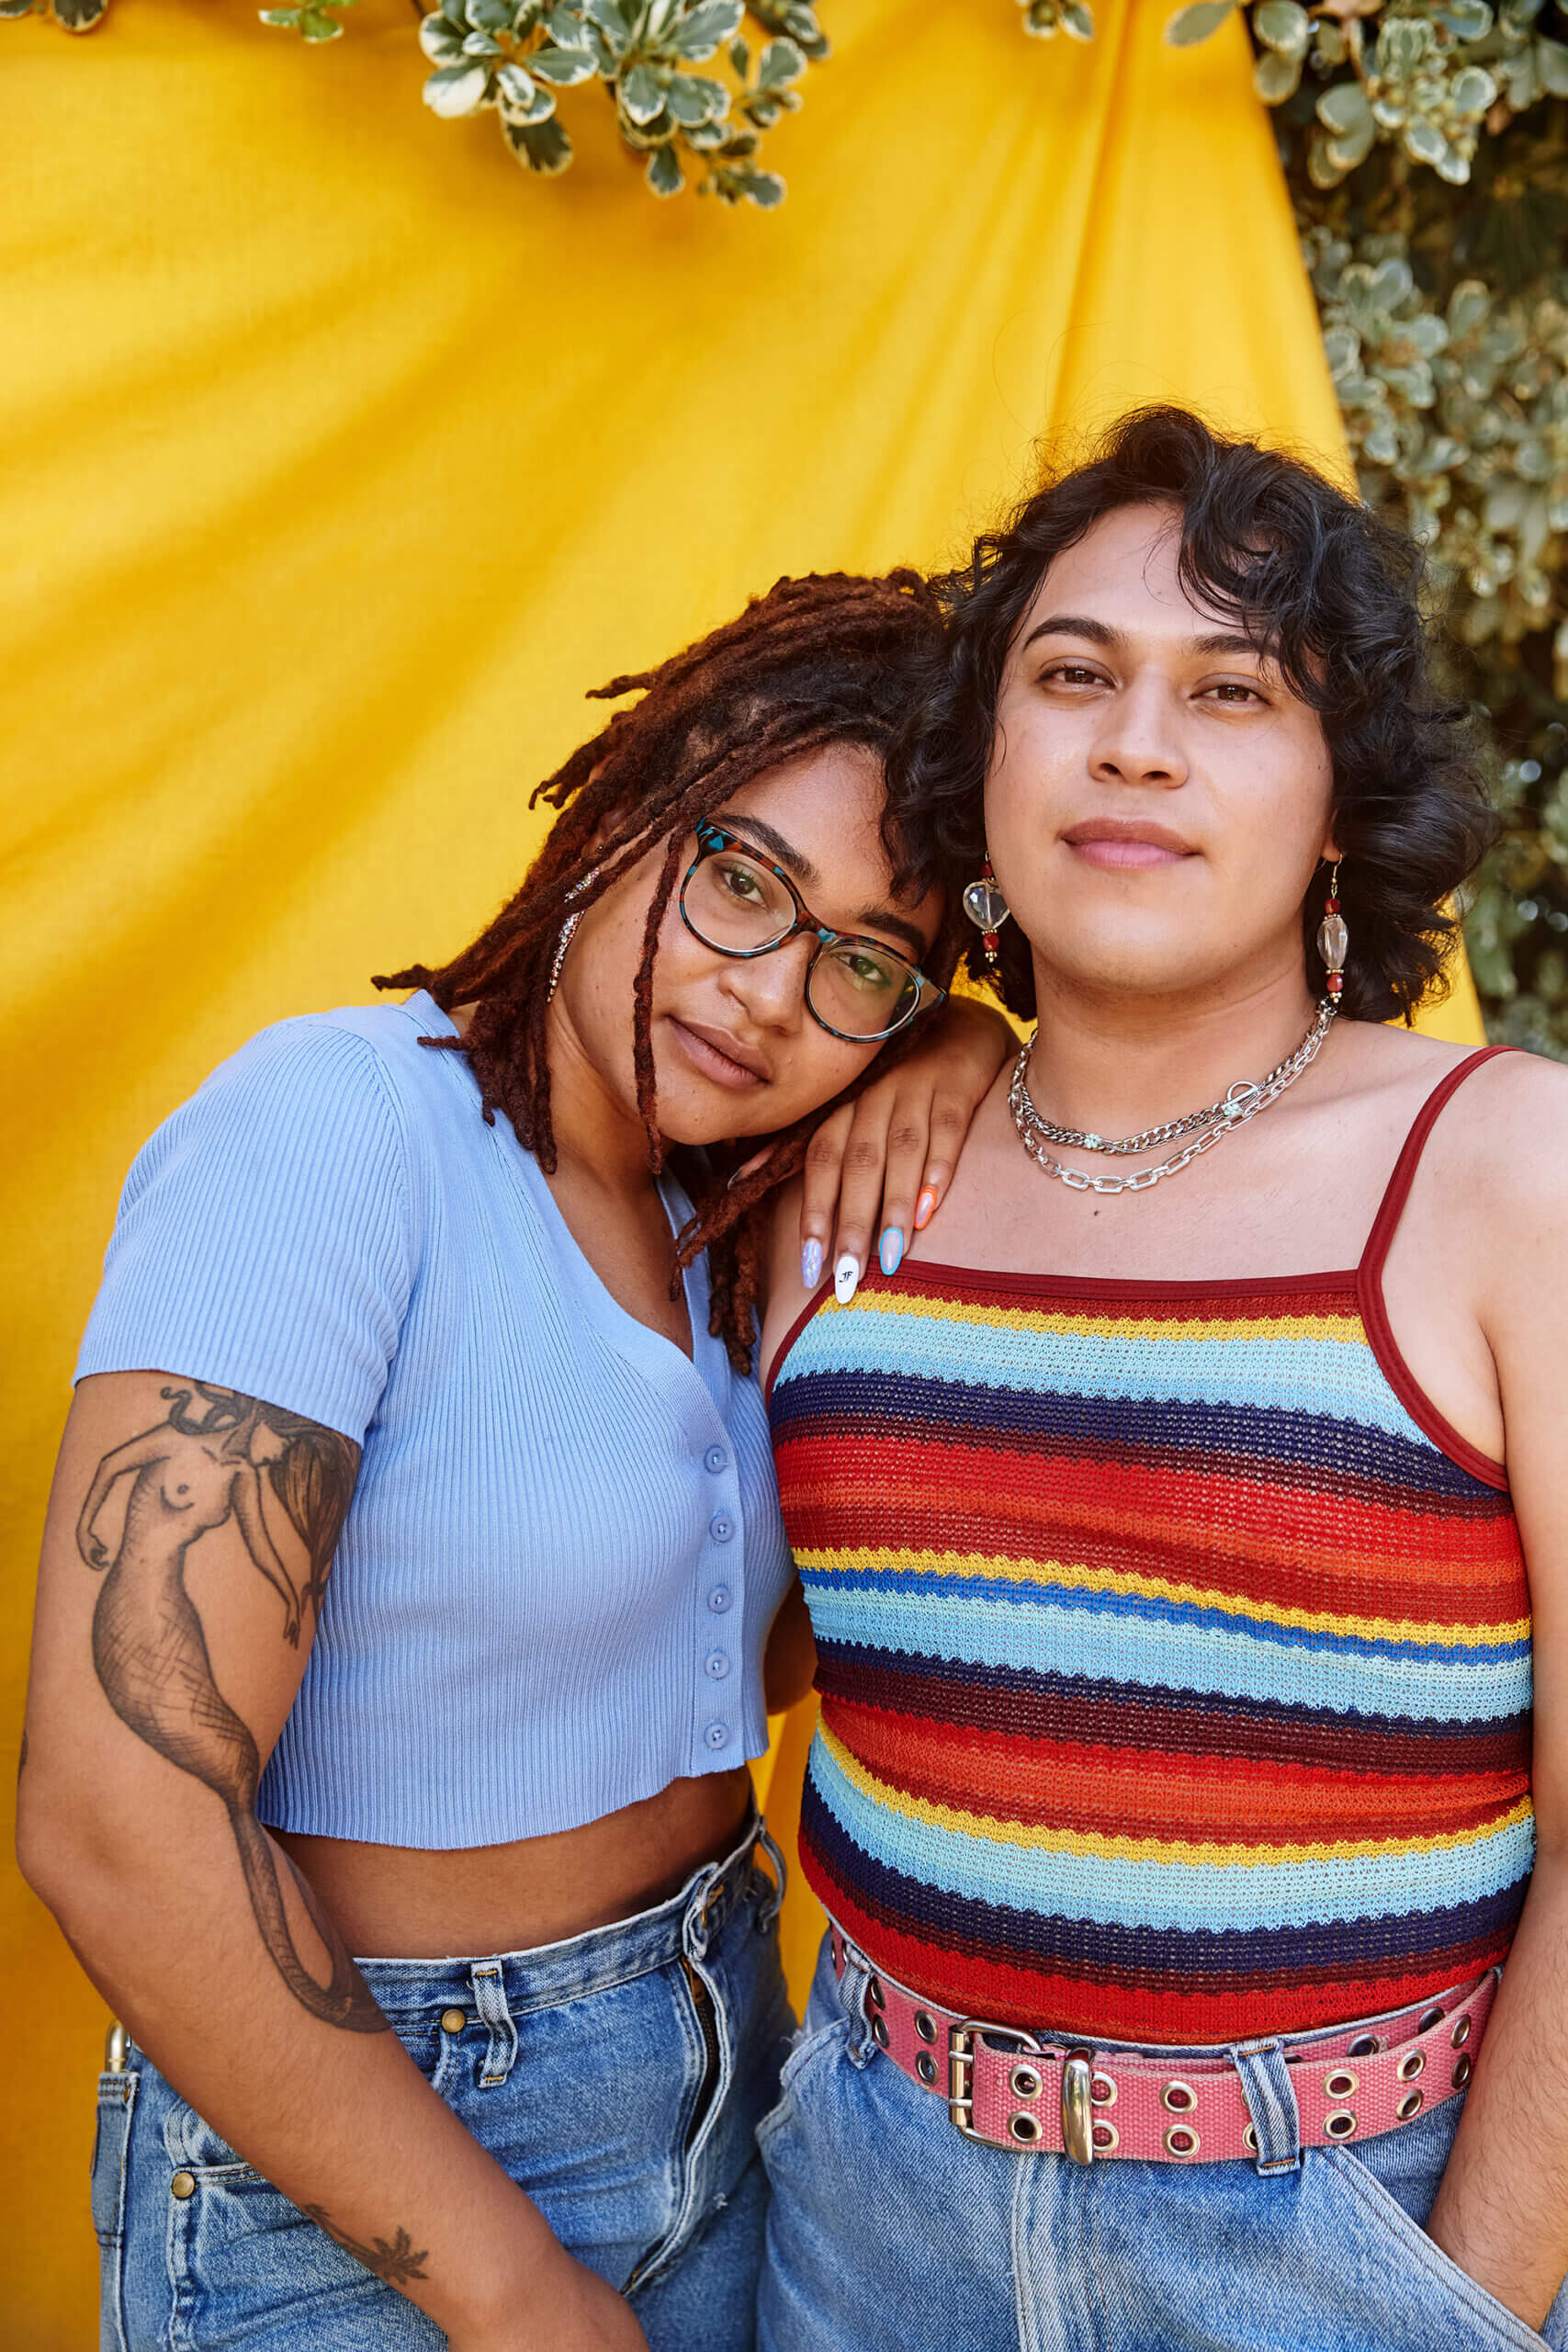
x=196, y=1471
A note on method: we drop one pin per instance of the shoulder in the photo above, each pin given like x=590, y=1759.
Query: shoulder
x=787, y=1294
x=358, y=1071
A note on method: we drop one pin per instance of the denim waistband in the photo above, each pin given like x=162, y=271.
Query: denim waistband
x=538, y=1979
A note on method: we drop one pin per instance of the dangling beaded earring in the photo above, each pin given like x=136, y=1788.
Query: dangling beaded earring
x=986, y=909
x=568, y=931
x=1334, y=938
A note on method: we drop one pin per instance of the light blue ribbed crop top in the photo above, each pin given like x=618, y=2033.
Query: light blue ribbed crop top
x=564, y=1550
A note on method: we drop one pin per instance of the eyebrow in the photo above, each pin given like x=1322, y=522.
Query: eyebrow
x=1101, y=633
x=762, y=836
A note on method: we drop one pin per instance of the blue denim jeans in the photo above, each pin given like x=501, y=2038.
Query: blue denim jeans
x=594, y=2071
x=888, y=2229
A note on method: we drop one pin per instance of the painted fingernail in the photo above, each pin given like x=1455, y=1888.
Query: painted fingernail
x=890, y=1248
x=924, y=1208
x=811, y=1265
x=846, y=1279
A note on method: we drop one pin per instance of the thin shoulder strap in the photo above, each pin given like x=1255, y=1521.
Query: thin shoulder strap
x=1391, y=1207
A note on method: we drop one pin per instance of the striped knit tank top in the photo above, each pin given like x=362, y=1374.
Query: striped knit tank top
x=1174, y=1652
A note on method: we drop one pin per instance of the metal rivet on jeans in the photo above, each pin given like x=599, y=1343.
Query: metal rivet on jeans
x=454, y=2021
x=182, y=2186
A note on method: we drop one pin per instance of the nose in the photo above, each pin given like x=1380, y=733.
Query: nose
x=770, y=990
x=1139, y=740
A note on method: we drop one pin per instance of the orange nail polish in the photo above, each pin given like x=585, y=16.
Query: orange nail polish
x=924, y=1208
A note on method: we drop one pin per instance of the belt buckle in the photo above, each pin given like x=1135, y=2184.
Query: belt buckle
x=1076, y=2132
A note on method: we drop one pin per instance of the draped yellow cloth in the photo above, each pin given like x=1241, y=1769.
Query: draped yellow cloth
x=340, y=458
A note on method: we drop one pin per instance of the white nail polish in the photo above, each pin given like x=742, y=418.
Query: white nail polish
x=846, y=1279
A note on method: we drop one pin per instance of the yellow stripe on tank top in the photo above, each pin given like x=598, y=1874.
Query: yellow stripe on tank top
x=1096, y=1848
x=1080, y=1578
x=1346, y=1329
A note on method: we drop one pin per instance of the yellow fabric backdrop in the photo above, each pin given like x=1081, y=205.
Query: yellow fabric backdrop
x=342, y=459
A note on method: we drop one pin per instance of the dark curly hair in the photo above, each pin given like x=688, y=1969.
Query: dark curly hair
x=832, y=658
x=1331, y=594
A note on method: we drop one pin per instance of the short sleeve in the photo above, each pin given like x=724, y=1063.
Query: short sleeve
x=263, y=1240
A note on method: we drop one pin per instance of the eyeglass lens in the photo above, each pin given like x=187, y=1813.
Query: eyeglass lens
x=739, y=905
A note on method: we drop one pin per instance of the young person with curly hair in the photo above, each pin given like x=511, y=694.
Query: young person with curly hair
x=454, y=1299
x=1176, y=1525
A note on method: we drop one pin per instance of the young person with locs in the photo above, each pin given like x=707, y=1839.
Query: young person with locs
x=455, y=1299
x=1180, y=1529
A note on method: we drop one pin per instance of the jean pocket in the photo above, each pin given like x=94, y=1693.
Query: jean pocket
x=812, y=2046
x=1469, y=2316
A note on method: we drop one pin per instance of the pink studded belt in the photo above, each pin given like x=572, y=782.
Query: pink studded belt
x=1047, y=2093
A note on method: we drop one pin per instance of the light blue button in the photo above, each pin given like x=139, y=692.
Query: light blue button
x=717, y=1734
x=720, y=1600
x=718, y=1665
x=716, y=1459
x=721, y=1527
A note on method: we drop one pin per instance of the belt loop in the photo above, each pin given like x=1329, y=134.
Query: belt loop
x=852, y=1986
x=1270, y=2098
x=694, y=1928
x=490, y=1999
x=768, y=1912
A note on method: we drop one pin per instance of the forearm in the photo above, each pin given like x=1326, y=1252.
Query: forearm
x=1502, y=2210
x=342, y=2122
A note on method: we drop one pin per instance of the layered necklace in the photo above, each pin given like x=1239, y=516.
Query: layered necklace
x=1207, y=1127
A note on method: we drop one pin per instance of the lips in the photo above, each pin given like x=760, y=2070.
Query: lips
x=1126, y=843
x=721, y=1055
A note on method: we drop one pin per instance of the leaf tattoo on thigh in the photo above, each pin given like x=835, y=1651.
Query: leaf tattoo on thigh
x=196, y=1471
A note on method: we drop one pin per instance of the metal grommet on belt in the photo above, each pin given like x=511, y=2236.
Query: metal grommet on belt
x=925, y=2067
x=1179, y=2098
x=1180, y=2140
x=879, y=2033
x=1410, y=2066
x=1106, y=2138
x=1411, y=2104
x=1366, y=2045
x=1462, y=2072
x=875, y=1998
x=1103, y=2091
x=1461, y=2033
x=1340, y=2125
x=1024, y=2083
x=1025, y=2128
x=1341, y=2084
x=925, y=2026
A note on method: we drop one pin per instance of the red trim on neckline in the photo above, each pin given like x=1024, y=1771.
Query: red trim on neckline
x=1114, y=1286
x=790, y=1337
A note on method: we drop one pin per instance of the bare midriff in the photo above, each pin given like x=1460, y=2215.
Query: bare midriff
x=397, y=1902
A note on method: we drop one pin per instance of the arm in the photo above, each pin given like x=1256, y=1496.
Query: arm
x=1502, y=2210
x=885, y=1160
x=134, y=1455
x=156, y=1689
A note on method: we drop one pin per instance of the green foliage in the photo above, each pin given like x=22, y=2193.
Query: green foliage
x=1046, y=19
x=514, y=56
x=318, y=22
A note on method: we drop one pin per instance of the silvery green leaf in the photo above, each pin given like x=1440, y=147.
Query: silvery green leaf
x=1391, y=283
x=1413, y=383
x=1195, y=23
x=708, y=137
x=489, y=16
x=1381, y=444
x=782, y=62
x=1440, y=455
x=1343, y=108
x=739, y=57
x=761, y=110
x=1467, y=306
x=1425, y=141
x=566, y=27
x=1282, y=25
x=289, y=17
x=664, y=171
x=441, y=41
x=1360, y=390
x=708, y=28
x=1401, y=45
x=694, y=98
x=1468, y=19
x=456, y=90
x=24, y=9
x=1077, y=21
x=565, y=67
x=522, y=99
x=1453, y=164
x=543, y=146
x=1342, y=348
x=1473, y=90
x=1552, y=64
x=642, y=93
x=481, y=45
x=1426, y=332
x=615, y=27
x=764, y=189
x=1504, y=506
x=1533, y=462
x=1276, y=77
x=316, y=25
x=1353, y=148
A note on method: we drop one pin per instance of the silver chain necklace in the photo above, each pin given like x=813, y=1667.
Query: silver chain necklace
x=1243, y=1102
